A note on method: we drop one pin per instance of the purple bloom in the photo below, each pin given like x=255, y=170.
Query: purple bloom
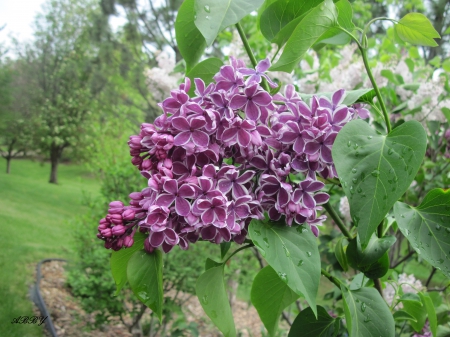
x=232, y=182
x=190, y=131
x=251, y=101
x=256, y=75
x=214, y=211
x=303, y=193
x=239, y=131
x=179, y=195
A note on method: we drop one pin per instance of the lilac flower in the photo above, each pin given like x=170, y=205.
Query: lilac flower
x=256, y=75
x=228, y=79
x=214, y=211
x=240, y=132
x=251, y=101
x=190, y=131
x=303, y=193
x=179, y=195
x=235, y=183
x=320, y=143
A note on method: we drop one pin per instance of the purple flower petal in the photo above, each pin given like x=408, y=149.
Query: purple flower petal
x=243, y=138
x=200, y=138
x=180, y=123
x=156, y=238
x=208, y=216
x=312, y=147
x=182, y=138
x=262, y=98
x=238, y=101
x=165, y=200
x=252, y=111
x=308, y=201
x=321, y=198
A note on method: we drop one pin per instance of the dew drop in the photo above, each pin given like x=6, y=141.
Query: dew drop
x=355, y=146
x=286, y=251
x=393, y=143
x=441, y=261
x=207, y=17
x=402, y=215
x=430, y=234
x=370, y=137
x=349, y=144
x=205, y=300
x=359, y=190
x=143, y=295
x=283, y=276
x=351, y=190
x=344, y=184
x=404, y=150
x=195, y=16
x=354, y=170
x=257, y=232
x=356, y=154
x=406, y=168
x=363, y=306
x=408, y=232
x=207, y=9
x=390, y=151
x=213, y=314
x=355, y=180
x=367, y=319
x=266, y=242
x=300, y=263
x=447, y=230
x=375, y=173
x=363, y=176
x=309, y=254
x=438, y=228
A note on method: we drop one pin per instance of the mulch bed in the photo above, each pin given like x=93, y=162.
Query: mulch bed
x=71, y=320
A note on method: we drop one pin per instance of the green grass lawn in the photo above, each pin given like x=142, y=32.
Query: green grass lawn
x=35, y=224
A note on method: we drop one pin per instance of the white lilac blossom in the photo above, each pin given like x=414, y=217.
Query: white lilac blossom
x=226, y=156
x=408, y=284
x=344, y=208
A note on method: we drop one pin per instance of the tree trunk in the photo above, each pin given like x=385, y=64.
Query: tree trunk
x=8, y=165
x=55, y=156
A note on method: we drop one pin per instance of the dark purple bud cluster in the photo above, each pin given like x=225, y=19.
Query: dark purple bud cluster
x=228, y=155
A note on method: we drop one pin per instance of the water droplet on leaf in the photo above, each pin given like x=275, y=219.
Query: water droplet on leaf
x=207, y=9
x=375, y=173
x=283, y=276
x=363, y=306
x=300, y=263
x=354, y=170
x=266, y=242
x=309, y=254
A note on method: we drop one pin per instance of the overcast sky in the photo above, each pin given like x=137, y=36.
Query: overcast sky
x=18, y=16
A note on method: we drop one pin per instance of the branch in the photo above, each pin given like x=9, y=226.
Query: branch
x=337, y=220
x=406, y=257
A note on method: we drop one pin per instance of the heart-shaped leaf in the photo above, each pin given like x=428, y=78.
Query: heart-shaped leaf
x=427, y=227
x=306, y=33
x=270, y=296
x=280, y=14
x=415, y=28
x=210, y=289
x=293, y=253
x=144, y=274
x=119, y=261
x=190, y=41
x=377, y=269
x=307, y=325
x=375, y=170
x=213, y=16
x=367, y=314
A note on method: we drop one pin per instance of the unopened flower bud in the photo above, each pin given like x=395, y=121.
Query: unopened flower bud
x=148, y=248
x=116, y=219
x=118, y=230
x=136, y=196
x=146, y=164
x=102, y=227
x=107, y=233
x=128, y=215
x=115, y=210
x=128, y=241
x=136, y=160
x=103, y=221
x=108, y=244
x=115, y=204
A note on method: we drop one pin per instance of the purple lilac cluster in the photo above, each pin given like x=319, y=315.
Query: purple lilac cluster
x=226, y=156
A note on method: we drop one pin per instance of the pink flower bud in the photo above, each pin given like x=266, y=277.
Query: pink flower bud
x=116, y=219
x=128, y=241
x=136, y=161
x=118, y=230
x=115, y=204
x=128, y=215
x=115, y=210
x=148, y=248
x=102, y=227
x=136, y=196
x=108, y=244
x=107, y=233
x=146, y=164
x=103, y=221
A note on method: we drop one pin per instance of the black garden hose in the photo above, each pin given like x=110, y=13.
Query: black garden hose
x=39, y=301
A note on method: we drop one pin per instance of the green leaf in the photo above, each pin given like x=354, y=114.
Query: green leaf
x=336, y=36
x=416, y=309
x=403, y=316
x=340, y=253
x=214, y=16
x=307, y=325
x=307, y=32
x=446, y=112
x=209, y=263
x=270, y=296
x=389, y=75
x=144, y=273
x=281, y=13
x=415, y=28
x=375, y=249
x=204, y=70
x=375, y=170
x=432, y=318
x=367, y=314
x=446, y=65
x=119, y=261
x=224, y=248
x=377, y=269
x=210, y=289
x=293, y=253
x=190, y=41
x=427, y=227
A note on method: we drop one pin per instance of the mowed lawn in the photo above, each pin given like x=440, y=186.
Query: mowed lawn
x=35, y=224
